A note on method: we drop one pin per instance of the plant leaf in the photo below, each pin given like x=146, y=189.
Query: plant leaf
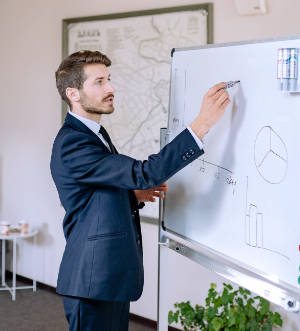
x=217, y=324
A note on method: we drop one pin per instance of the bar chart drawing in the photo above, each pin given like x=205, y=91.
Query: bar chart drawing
x=270, y=155
x=255, y=227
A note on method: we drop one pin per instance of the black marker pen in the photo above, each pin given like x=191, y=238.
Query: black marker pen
x=231, y=84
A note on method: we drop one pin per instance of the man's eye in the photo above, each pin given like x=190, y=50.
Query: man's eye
x=99, y=82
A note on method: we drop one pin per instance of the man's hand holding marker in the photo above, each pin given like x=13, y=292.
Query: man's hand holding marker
x=213, y=106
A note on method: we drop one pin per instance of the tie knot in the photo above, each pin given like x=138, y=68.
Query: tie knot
x=102, y=130
x=105, y=135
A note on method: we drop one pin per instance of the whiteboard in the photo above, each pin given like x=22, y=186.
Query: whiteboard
x=242, y=197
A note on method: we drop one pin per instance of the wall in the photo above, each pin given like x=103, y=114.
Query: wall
x=30, y=35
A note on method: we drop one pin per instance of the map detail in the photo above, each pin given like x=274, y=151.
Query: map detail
x=140, y=51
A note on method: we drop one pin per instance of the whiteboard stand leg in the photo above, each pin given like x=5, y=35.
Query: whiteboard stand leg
x=35, y=271
x=162, y=308
x=162, y=286
x=3, y=262
x=14, y=269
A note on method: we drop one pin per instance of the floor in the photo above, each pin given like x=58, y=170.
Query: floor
x=39, y=311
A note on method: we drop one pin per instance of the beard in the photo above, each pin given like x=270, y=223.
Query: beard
x=99, y=109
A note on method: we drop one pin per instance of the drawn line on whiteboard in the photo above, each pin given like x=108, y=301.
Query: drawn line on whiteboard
x=246, y=205
x=271, y=250
x=184, y=105
x=262, y=161
x=283, y=159
x=228, y=178
x=178, y=120
x=254, y=227
x=272, y=165
x=175, y=120
x=215, y=165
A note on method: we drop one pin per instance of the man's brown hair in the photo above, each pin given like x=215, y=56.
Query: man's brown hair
x=70, y=72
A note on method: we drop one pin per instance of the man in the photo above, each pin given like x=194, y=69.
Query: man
x=101, y=192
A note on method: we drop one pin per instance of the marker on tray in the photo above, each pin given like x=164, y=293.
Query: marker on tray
x=231, y=84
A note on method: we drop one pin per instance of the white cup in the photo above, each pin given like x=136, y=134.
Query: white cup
x=4, y=228
x=23, y=225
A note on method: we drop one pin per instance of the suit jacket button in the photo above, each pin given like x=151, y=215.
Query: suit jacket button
x=138, y=242
x=184, y=158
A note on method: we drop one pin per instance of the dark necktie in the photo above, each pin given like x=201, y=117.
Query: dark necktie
x=108, y=140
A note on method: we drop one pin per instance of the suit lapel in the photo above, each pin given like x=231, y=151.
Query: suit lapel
x=78, y=125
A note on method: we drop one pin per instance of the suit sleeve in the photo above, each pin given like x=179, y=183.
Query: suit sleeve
x=88, y=163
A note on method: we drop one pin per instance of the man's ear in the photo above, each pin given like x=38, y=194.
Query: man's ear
x=72, y=94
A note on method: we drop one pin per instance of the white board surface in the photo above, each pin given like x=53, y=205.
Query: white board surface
x=242, y=197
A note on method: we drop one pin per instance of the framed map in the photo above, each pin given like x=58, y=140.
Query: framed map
x=139, y=45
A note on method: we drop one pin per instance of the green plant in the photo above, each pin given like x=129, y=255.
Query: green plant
x=232, y=310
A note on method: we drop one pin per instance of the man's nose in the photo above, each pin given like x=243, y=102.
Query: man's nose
x=109, y=88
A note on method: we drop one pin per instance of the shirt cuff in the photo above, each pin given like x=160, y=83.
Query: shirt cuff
x=197, y=140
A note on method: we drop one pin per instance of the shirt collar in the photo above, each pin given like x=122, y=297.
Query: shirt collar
x=92, y=125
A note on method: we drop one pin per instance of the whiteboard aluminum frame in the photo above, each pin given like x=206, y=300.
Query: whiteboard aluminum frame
x=274, y=290
x=236, y=43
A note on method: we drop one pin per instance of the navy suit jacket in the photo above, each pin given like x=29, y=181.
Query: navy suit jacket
x=103, y=256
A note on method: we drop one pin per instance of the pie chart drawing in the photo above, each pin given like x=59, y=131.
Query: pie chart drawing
x=270, y=155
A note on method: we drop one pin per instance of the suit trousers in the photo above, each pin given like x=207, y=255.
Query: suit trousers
x=95, y=315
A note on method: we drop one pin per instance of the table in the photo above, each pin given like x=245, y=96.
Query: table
x=14, y=237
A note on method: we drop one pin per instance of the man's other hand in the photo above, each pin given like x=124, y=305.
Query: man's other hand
x=150, y=194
